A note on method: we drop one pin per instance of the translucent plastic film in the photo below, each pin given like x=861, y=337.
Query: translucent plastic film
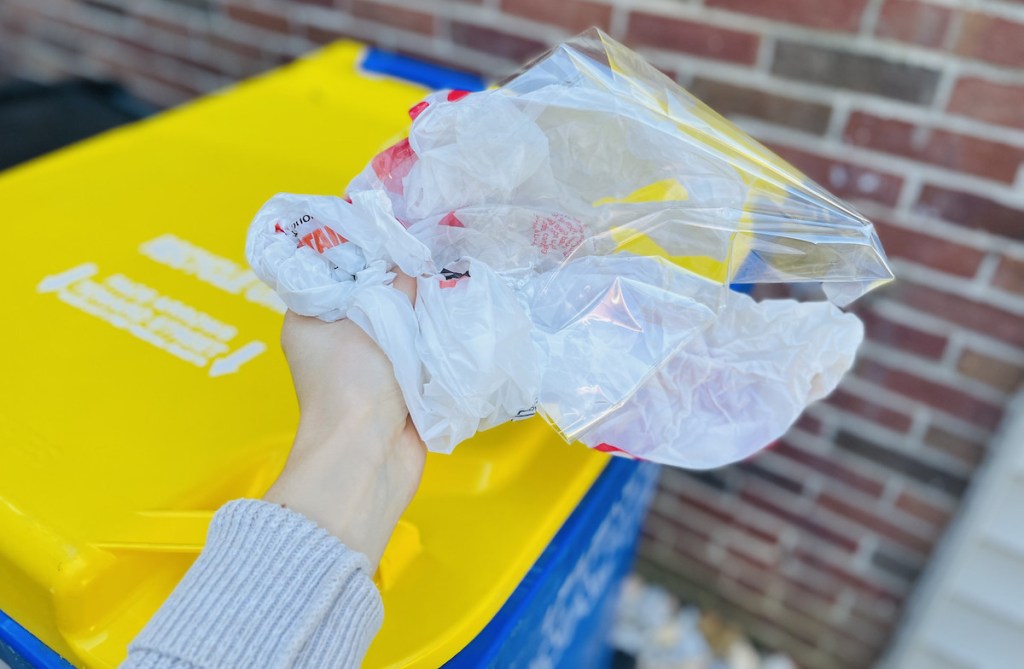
x=665, y=169
x=574, y=233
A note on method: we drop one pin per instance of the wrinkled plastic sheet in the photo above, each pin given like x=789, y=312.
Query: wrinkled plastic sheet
x=573, y=233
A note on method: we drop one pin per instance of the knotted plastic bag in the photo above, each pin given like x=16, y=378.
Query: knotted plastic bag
x=573, y=233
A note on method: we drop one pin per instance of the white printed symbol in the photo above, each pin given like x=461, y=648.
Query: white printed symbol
x=206, y=266
x=55, y=282
x=230, y=363
x=162, y=321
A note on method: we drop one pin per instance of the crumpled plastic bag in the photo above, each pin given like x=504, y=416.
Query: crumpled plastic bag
x=573, y=234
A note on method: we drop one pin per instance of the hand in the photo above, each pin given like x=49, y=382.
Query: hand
x=357, y=458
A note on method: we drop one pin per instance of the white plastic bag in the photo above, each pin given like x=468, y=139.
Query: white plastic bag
x=573, y=234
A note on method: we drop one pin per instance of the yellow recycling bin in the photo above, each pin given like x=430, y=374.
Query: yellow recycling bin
x=143, y=385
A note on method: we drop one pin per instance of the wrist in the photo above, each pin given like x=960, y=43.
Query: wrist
x=337, y=475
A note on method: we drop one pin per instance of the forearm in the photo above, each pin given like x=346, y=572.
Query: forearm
x=286, y=582
x=271, y=589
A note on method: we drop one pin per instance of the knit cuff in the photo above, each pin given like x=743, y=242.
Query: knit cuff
x=270, y=588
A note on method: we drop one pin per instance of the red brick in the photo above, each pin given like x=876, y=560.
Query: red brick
x=984, y=318
x=78, y=22
x=813, y=586
x=810, y=632
x=874, y=522
x=840, y=15
x=876, y=413
x=489, y=40
x=988, y=101
x=61, y=38
x=972, y=211
x=166, y=25
x=993, y=372
x=943, y=397
x=1010, y=275
x=754, y=581
x=693, y=545
x=925, y=249
x=916, y=22
x=320, y=35
x=717, y=480
x=114, y=68
x=574, y=15
x=111, y=7
x=842, y=178
x=172, y=91
x=809, y=424
x=857, y=639
x=837, y=572
x=856, y=646
x=741, y=527
x=854, y=70
x=690, y=541
x=731, y=100
x=753, y=467
x=991, y=38
x=888, y=454
x=905, y=337
x=923, y=509
x=241, y=49
x=751, y=562
x=878, y=628
x=801, y=520
x=670, y=527
x=992, y=160
x=706, y=507
x=831, y=467
x=808, y=603
x=966, y=450
x=699, y=39
x=210, y=65
x=147, y=47
x=811, y=579
x=396, y=17
x=259, y=18
x=882, y=611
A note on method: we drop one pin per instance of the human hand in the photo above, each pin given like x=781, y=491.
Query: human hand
x=357, y=458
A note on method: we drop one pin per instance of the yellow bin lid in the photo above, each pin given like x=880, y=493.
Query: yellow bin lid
x=143, y=384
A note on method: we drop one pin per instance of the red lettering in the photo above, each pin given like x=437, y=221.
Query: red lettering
x=322, y=239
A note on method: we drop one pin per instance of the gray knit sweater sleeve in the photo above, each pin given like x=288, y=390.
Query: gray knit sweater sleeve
x=271, y=589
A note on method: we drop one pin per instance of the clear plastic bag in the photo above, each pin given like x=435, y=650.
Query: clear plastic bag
x=573, y=233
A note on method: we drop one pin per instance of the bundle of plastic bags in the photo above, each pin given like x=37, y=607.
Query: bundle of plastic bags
x=574, y=233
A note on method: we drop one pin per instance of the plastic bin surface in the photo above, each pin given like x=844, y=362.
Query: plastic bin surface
x=143, y=384
x=562, y=613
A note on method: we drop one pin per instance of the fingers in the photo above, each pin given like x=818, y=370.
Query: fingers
x=296, y=328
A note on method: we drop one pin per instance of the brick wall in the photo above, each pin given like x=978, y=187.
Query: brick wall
x=912, y=109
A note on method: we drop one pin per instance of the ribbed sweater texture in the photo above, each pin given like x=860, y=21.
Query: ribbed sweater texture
x=270, y=589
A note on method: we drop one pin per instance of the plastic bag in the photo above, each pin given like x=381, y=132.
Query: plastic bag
x=573, y=233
